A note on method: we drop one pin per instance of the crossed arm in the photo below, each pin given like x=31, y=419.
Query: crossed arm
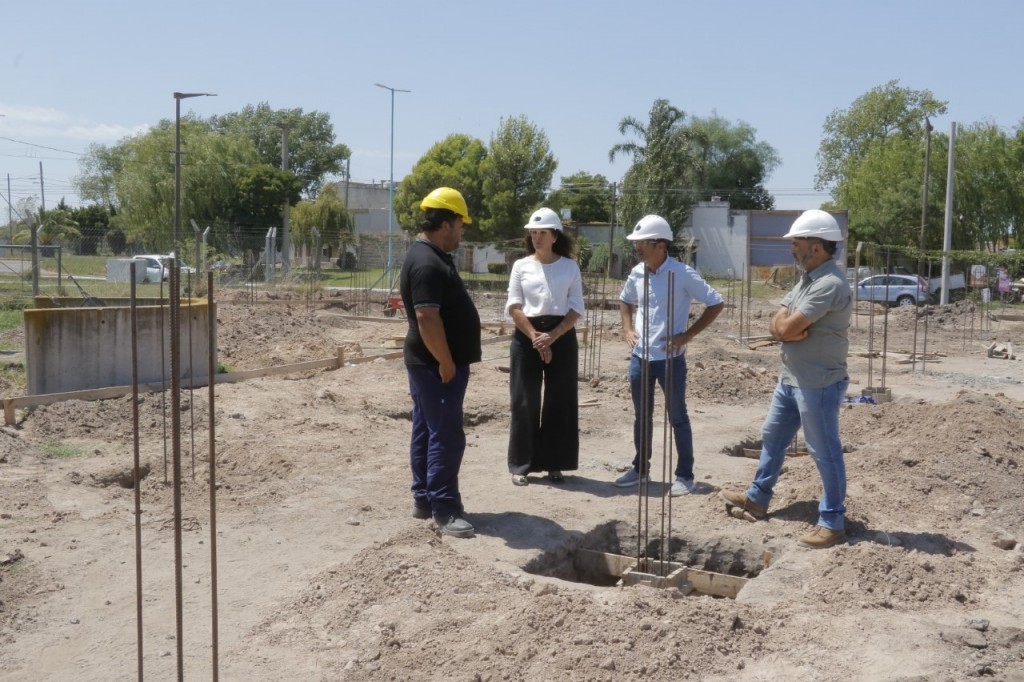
x=786, y=326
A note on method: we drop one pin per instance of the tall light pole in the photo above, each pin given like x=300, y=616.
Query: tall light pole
x=178, y=96
x=391, y=180
x=286, y=240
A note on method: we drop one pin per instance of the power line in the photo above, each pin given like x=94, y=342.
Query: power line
x=41, y=146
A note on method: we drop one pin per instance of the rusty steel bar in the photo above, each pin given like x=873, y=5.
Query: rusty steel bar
x=175, y=300
x=211, y=383
x=135, y=471
x=667, y=472
x=643, y=467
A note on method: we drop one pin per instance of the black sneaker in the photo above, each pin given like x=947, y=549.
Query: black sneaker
x=419, y=512
x=454, y=525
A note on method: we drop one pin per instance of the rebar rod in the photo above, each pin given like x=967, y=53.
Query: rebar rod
x=666, y=467
x=136, y=478
x=643, y=467
x=211, y=380
x=176, y=455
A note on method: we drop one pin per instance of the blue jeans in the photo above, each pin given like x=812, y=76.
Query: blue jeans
x=678, y=417
x=817, y=410
x=438, y=439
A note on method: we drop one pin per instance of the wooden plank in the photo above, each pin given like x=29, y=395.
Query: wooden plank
x=496, y=339
x=227, y=377
x=10, y=404
x=365, y=318
x=603, y=562
x=714, y=584
x=370, y=358
x=91, y=394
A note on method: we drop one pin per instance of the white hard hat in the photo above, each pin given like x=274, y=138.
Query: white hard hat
x=544, y=219
x=815, y=223
x=651, y=227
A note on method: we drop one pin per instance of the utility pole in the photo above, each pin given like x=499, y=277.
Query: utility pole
x=35, y=234
x=611, y=235
x=391, y=183
x=178, y=96
x=927, y=167
x=10, y=217
x=947, y=237
x=348, y=179
x=286, y=242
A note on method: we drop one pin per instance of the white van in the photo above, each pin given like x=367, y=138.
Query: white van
x=156, y=266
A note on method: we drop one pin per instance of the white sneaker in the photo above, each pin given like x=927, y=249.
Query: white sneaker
x=630, y=478
x=682, y=486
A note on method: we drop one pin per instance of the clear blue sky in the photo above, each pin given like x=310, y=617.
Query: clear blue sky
x=74, y=73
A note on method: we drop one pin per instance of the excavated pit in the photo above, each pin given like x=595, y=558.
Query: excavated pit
x=607, y=557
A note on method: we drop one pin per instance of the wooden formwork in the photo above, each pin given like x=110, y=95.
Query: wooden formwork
x=662, y=574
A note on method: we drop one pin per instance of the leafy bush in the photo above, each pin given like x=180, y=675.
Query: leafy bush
x=497, y=268
x=598, y=261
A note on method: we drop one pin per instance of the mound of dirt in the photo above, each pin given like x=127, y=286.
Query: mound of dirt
x=324, y=574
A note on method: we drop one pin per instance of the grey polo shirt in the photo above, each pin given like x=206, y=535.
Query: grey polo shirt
x=819, y=360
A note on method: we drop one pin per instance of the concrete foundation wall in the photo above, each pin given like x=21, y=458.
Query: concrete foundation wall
x=75, y=349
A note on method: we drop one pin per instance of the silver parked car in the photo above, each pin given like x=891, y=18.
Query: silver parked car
x=893, y=289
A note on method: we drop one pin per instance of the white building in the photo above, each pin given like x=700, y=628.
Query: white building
x=729, y=242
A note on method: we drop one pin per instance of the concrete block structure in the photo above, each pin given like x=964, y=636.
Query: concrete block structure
x=81, y=348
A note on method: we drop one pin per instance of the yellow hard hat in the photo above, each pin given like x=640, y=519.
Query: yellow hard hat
x=446, y=197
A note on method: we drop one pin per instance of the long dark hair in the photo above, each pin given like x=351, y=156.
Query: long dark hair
x=563, y=246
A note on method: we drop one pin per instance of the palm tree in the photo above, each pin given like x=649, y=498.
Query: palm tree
x=664, y=166
x=54, y=227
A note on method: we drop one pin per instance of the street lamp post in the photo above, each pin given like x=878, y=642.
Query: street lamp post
x=178, y=96
x=391, y=180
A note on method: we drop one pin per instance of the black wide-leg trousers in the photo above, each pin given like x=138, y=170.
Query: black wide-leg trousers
x=544, y=433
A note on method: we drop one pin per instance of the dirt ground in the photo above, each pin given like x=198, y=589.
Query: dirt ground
x=322, y=574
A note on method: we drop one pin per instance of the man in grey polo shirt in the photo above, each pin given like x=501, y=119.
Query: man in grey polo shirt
x=812, y=325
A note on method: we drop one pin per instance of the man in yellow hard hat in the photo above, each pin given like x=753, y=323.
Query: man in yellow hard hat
x=442, y=341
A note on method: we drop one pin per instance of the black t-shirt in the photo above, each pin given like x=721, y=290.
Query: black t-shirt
x=429, y=277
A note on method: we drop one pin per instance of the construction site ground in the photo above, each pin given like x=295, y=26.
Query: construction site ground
x=322, y=573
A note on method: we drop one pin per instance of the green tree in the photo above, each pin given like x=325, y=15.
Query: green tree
x=516, y=175
x=886, y=193
x=211, y=165
x=99, y=166
x=661, y=178
x=54, y=227
x=261, y=191
x=988, y=194
x=327, y=214
x=588, y=197
x=453, y=162
x=731, y=163
x=116, y=240
x=93, y=222
x=313, y=154
x=884, y=113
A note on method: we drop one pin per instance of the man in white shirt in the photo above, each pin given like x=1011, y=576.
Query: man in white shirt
x=647, y=313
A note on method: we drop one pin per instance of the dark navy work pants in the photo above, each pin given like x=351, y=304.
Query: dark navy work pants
x=438, y=439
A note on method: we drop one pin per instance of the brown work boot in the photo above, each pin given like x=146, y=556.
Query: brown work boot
x=738, y=505
x=820, y=538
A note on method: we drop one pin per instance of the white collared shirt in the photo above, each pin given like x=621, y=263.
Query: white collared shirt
x=545, y=289
x=688, y=285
